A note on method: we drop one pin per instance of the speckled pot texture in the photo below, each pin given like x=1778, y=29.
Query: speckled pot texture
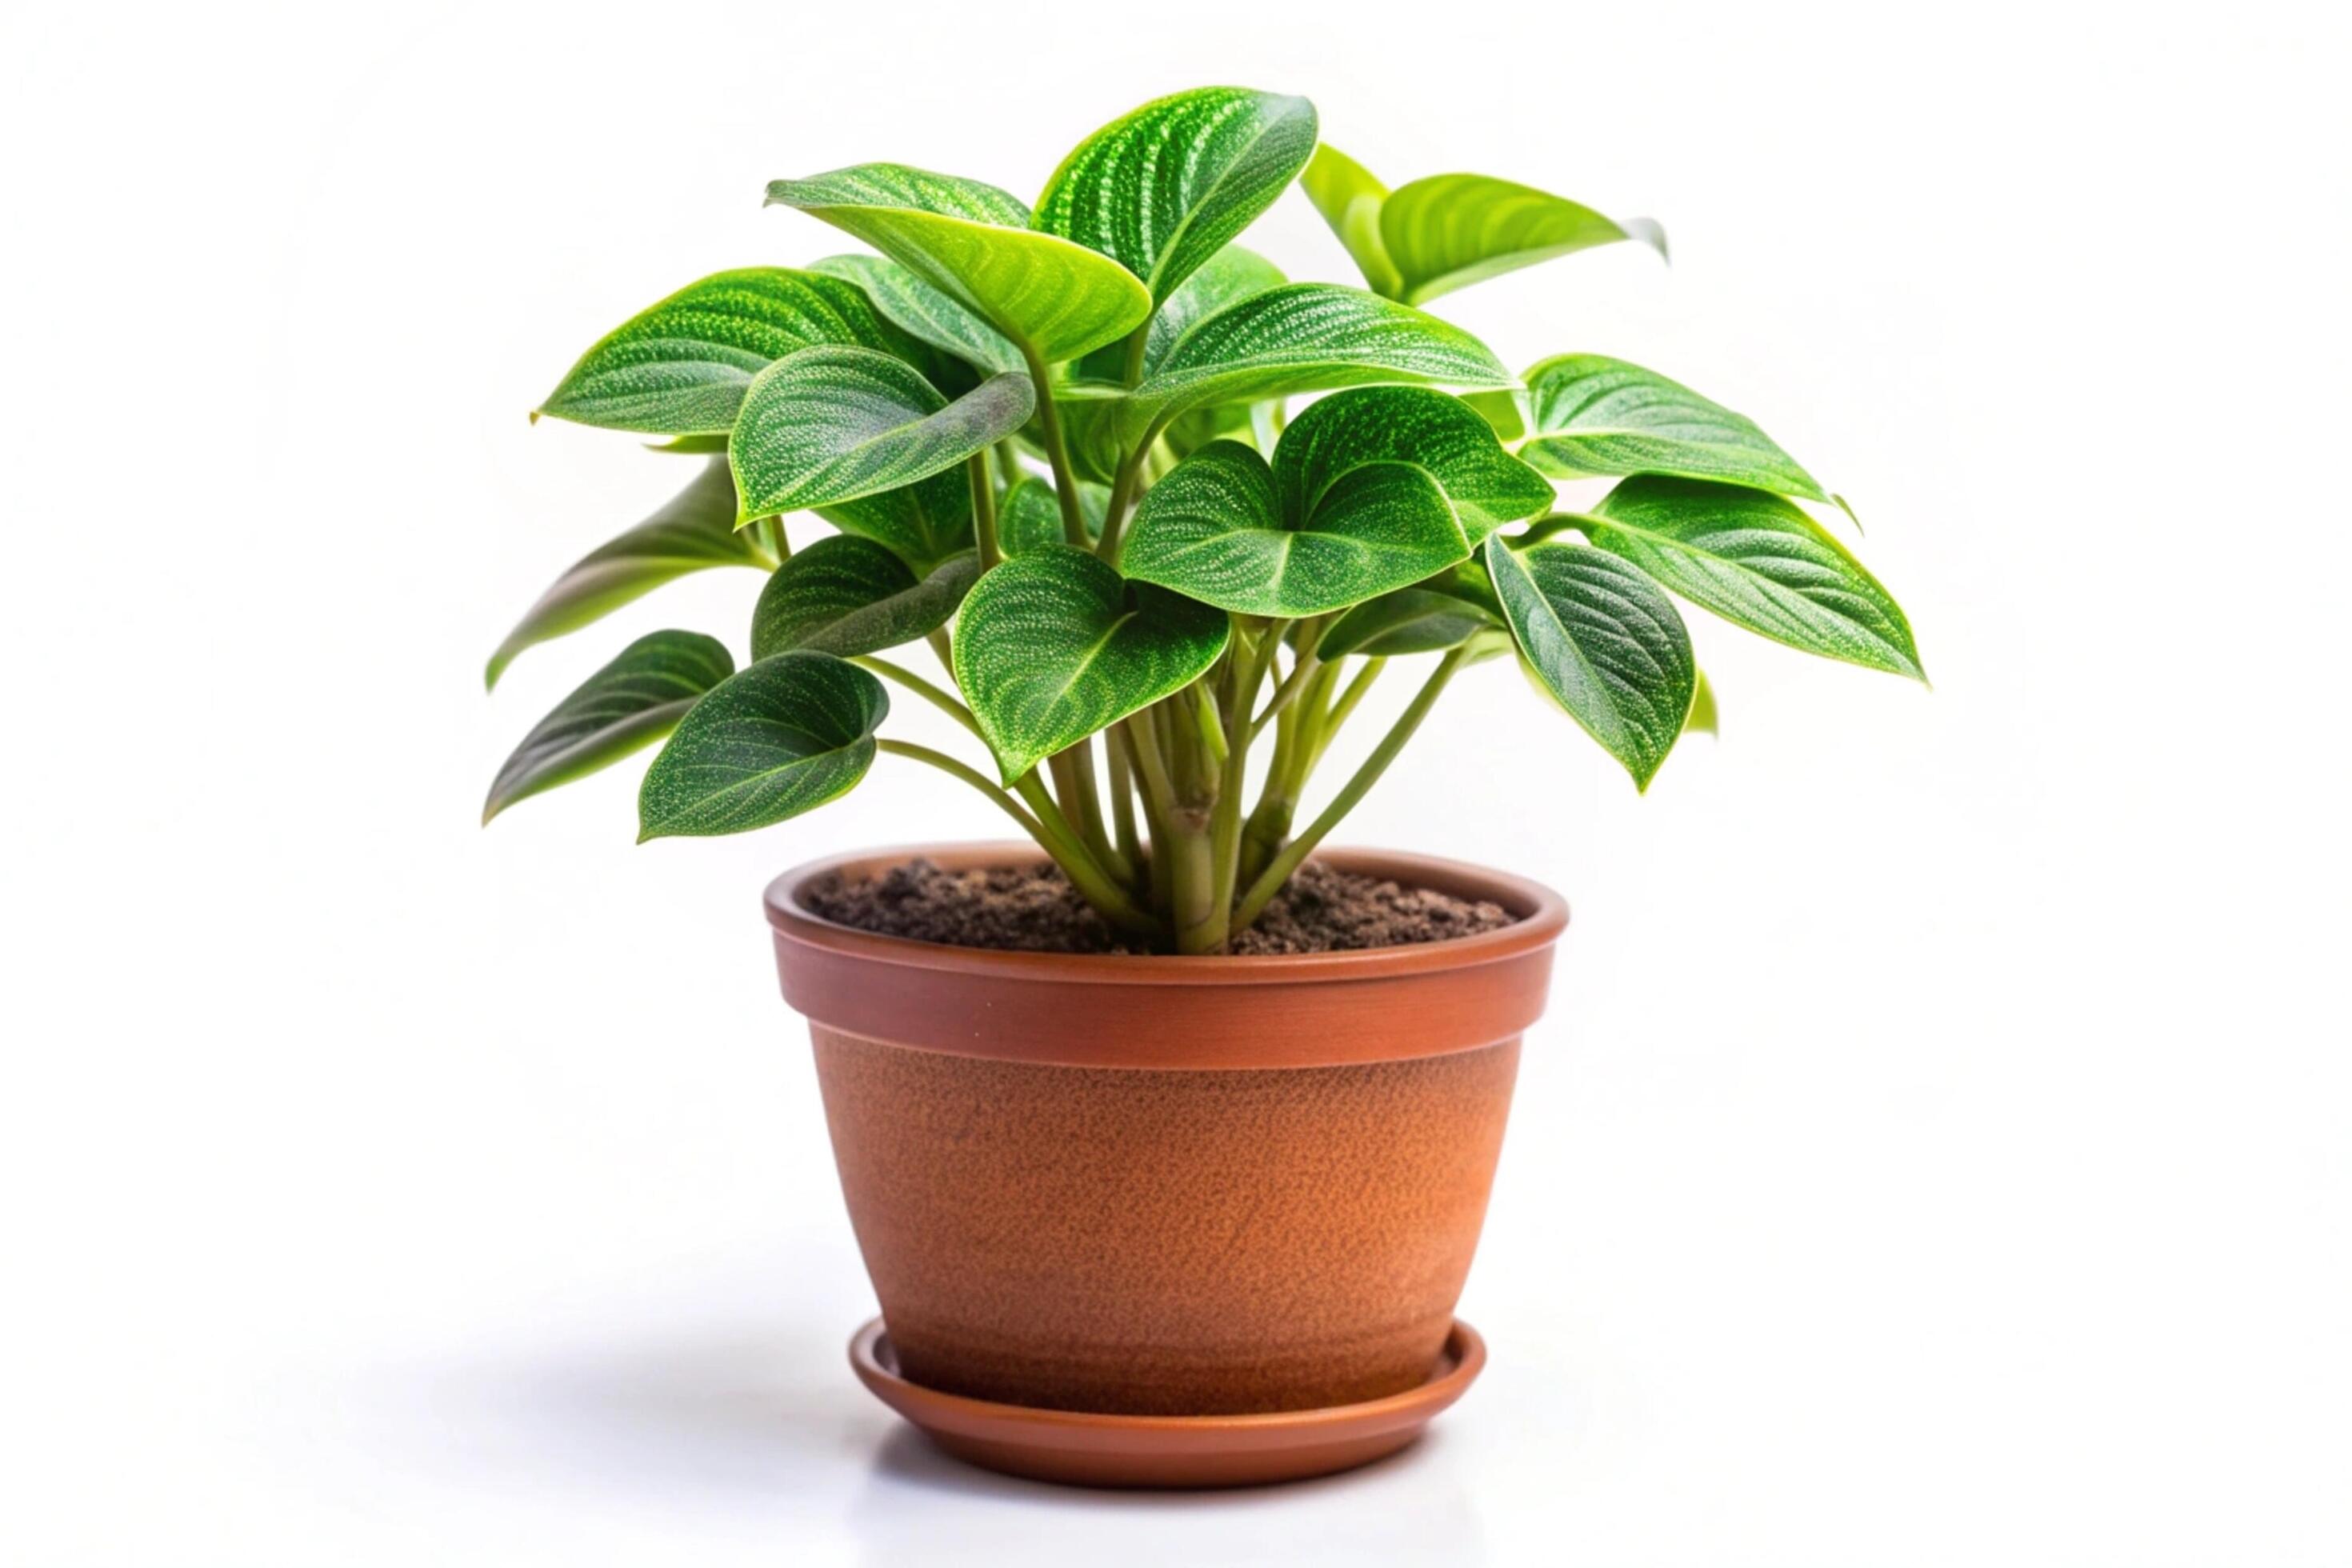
x=1167, y=1185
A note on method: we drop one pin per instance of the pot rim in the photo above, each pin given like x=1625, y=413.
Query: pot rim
x=1543, y=915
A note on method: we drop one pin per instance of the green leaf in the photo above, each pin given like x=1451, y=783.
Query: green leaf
x=1231, y=275
x=776, y=739
x=1162, y=189
x=1054, y=295
x=1761, y=562
x=630, y=703
x=1029, y=515
x=1350, y=199
x=1442, y=612
x=823, y=425
x=695, y=530
x=847, y=595
x=1594, y=414
x=682, y=367
x=1447, y=231
x=1305, y=337
x=922, y=312
x=922, y=523
x=1701, y=719
x=1444, y=435
x=1216, y=529
x=1603, y=641
x=1053, y=645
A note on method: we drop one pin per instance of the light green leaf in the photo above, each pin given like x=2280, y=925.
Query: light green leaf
x=682, y=367
x=1029, y=514
x=1305, y=337
x=1214, y=529
x=1231, y=275
x=774, y=739
x=1162, y=189
x=923, y=523
x=1053, y=645
x=695, y=530
x=1593, y=414
x=1701, y=719
x=823, y=425
x=1505, y=412
x=630, y=703
x=1603, y=641
x=1054, y=295
x=1761, y=562
x=914, y=307
x=848, y=595
x=1350, y=199
x=1447, y=231
x=1444, y=435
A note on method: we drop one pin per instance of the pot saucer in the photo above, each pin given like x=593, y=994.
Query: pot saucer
x=1086, y=1448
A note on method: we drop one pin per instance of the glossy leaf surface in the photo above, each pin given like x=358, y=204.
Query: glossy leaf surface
x=1442, y=612
x=823, y=425
x=848, y=595
x=630, y=703
x=1350, y=199
x=1232, y=275
x=928, y=314
x=1444, y=435
x=1593, y=414
x=1215, y=529
x=1162, y=189
x=682, y=367
x=922, y=523
x=1761, y=562
x=1054, y=645
x=1305, y=337
x=1030, y=515
x=1448, y=231
x=774, y=739
x=973, y=241
x=694, y=531
x=1603, y=641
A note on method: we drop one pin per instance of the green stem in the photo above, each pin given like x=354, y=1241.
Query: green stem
x=1122, y=805
x=1270, y=880
x=923, y=689
x=1057, y=454
x=1093, y=883
x=983, y=508
x=1345, y=706
x=970, y=775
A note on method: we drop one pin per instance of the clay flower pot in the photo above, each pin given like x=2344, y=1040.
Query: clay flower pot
x=1129, y=1218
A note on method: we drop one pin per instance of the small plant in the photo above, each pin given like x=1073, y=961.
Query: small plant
x=1058, y=444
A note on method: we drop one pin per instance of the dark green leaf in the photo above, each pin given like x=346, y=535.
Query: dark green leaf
x=1350, y=199
x=694, y=531
x=1594, y=414
x=1054, y=645
x=776, y=739
x=1450, y=230
x=1761, y=562
x=914, y=307
x=823, y=425
x=1442, y=612
x=1030, y=515
x=1162, y=189
x=1603, y=641
x=922, y=523
x=1214, y=529
x=971, y=240
x=1305, y=337
x=630, y=703
x=1231, y=275
x=848, y=595
x=681, y=368
x=1488, y=485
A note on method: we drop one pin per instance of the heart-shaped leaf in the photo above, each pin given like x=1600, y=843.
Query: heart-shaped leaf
x=1305, y=337
x=827, y=424
x=1162, y=188
x=928, y=314
x=1444, y=435
x=1350, y=199
x=695, y=530
x=1442, y=612
x=848, y=595
x=1030, y=515
x=1053, y=645
x=922, y=524
x=682, y=367
x=630, y=703
x=1448, y=231
x=1761, y=562
x=1053, y=297
x=1215, y=529
x=1593, y=414
x=774, y=740
x=1603, y=641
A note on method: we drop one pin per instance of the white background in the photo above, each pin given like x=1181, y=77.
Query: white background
x=1936, y=1153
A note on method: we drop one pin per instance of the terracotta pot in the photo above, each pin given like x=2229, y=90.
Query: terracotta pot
x=1167, y=1186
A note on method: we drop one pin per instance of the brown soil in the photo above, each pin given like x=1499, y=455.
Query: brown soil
x=1034, y=910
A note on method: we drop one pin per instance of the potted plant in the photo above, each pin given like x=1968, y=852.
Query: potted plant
x=1167, y=1142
